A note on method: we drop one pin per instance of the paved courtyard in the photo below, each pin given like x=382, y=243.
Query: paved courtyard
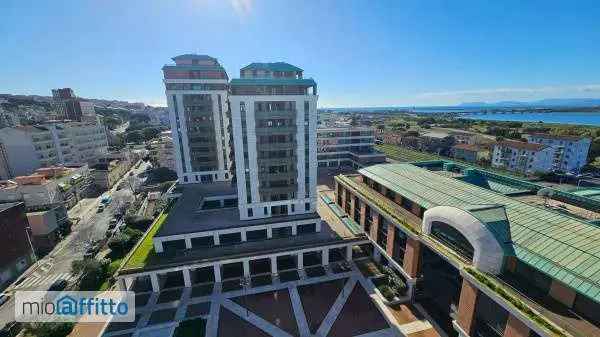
x=328, y=303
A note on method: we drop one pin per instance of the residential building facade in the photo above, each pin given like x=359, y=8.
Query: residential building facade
x=15, y=249
x=523, y=157
x=470, y=152
x=27, y=148
x=196, y=88
x=351, y=147
x=570, y=152
x=68, y=107
x=273, y=110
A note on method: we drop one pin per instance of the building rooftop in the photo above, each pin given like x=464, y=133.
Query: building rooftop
x=522, y=145
x=274, y=81
x=271, y=66
x=559, y=137
x=468, y=147
x=180, y=217
x=559, y=245
x=193, y=57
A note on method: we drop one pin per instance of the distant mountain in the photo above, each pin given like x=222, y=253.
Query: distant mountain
x=548, y=102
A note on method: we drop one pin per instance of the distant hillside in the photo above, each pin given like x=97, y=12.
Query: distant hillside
x=548, y=102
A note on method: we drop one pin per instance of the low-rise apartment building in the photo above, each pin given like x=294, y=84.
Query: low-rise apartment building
x=351, y=146
x=44, y=203
x=481, y=262
x=570, y=152
x=470, y=152
x=15, y=249
x=527, y=158
x=27, y=148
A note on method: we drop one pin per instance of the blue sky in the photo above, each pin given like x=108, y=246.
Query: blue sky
x=361, y=53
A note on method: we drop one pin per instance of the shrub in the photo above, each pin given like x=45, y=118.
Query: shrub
x=138, y=222
x=49, y=329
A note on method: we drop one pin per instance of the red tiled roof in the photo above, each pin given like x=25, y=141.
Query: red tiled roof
x=549, y=136
x=522, y=145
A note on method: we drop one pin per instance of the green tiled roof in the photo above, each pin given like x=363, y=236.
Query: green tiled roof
x=273, y=81
x=193, y=57
x=561, y=246
x=272, y=66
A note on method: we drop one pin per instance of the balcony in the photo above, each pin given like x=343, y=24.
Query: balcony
x=266, y=131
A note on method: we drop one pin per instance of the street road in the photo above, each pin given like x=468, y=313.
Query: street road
x=57, y=264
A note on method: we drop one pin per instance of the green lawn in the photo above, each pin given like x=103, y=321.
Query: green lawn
x=145, y=248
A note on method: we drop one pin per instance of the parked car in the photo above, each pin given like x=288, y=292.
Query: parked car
x=58, y=285
x=112, y=224
x=100, y=208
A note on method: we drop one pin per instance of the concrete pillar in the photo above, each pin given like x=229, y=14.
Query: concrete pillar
x=466, y=307
x=363, y=214
x=217, y=272
x=515, y=328
x=389, y=245
x=154, y=282
x=246, y=264
x=300, y=260
x=318, y=225
x=294, y=229
x=374, y=226
x=352, y=206
x=343, y=205
x=187, y=280
x=158, y=247
x=244, y=237
x=188, y=243
x=216, y=239
x=269, y=232
x=274, y=265
x=398, y=199
x=416, y=209
x=412, y=257
x=349, y=253
x=325, y=256
x=562, y=294
x=222, y=203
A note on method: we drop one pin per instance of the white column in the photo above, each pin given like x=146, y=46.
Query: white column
x=349, y=253
x=269, y=232
x=325, y=256
x=188, y=243
x=318, y=226
x=273, y=264
x=217, y=271
x=246, y=264
x=244, y=237
x=187, y=281
x=295, y=230
x=300, y=260
x=154, y=281
x=158, y=247
x=216, y=239
x=122, y=284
